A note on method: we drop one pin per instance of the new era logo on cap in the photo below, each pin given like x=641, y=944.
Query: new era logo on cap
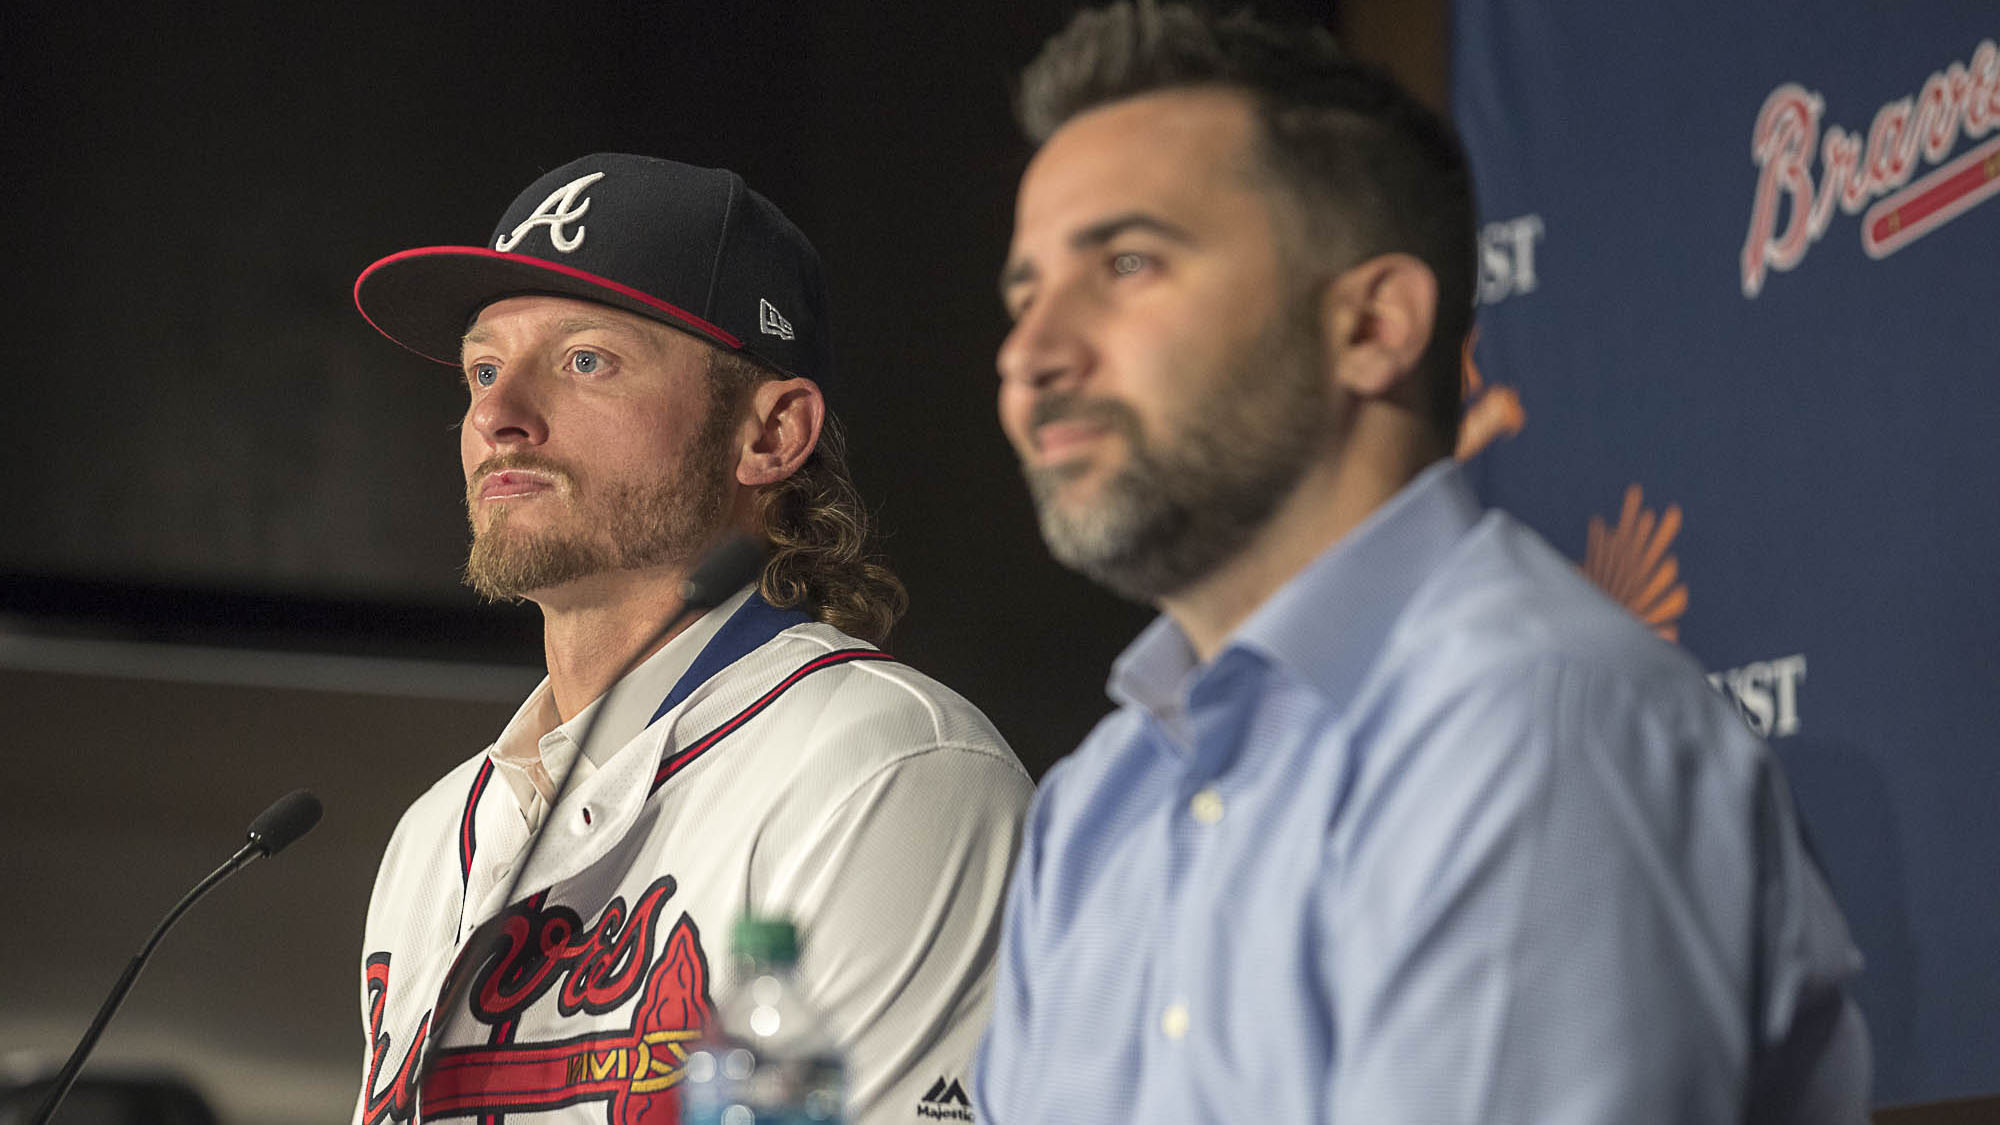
x=689, y=247
x=770, y=323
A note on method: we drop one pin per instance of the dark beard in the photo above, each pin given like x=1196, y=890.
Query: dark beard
x=1171, y=516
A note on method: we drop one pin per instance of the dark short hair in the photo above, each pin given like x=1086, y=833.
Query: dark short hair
x=818, y=528
x=1370, y=169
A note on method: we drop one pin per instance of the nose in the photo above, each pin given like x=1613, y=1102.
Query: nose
x=1047, y=348
x=509, y=413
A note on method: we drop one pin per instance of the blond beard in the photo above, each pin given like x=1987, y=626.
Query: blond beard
x=626, y=526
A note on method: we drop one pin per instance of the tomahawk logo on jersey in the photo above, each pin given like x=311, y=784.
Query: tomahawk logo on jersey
x=595, y=968
x=789, y=770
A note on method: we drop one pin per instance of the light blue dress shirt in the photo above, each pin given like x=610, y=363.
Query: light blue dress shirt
x=1440, y=835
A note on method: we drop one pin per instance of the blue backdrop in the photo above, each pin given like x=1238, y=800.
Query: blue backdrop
x=1738, y=347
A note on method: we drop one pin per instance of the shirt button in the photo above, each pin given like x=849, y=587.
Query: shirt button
x=1206, y=806
x=1174, y=1021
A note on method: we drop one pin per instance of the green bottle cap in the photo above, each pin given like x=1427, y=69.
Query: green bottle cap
x=771, y=940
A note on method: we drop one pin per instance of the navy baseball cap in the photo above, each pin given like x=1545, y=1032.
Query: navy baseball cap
x=689, y=247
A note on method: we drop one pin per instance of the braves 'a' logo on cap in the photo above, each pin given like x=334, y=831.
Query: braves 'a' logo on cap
x=559, y=210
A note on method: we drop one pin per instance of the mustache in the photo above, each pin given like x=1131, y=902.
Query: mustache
x=1069, y=406
x=521, y=459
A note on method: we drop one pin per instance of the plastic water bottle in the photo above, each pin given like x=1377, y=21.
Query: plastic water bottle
x=767, y=1058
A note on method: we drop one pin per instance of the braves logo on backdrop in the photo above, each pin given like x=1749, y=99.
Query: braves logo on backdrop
x=556, y=212
x=593, y=969
x=1793, y=207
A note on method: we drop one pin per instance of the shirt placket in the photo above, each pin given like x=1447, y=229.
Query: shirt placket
x=1218, y=705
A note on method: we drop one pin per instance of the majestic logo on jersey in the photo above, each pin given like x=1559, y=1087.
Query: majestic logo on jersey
x=559, y=210
x=593, y=969
x=946, y=1101
x=1962, y=99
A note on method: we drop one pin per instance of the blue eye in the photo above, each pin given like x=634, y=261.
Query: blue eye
x=483, y=374
x=1127, y=264
x=586, y=362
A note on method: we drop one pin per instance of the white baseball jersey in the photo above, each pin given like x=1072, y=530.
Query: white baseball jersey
x=791, y=771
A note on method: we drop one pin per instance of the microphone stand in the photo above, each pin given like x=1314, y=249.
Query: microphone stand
x=291, y=817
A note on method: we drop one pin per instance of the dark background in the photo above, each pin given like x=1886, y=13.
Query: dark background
x=213, y=462
x=209, y=444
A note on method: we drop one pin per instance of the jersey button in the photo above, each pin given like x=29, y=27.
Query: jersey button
x=1174, y=1021
x=1206, y=807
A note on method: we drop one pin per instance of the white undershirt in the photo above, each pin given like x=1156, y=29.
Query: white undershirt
x=537, y=746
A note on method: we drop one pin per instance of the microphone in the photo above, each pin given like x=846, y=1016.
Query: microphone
x=289, y=817
x=722, y=571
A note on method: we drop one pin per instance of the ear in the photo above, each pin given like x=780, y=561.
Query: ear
x=781, y=431
x=1377, y=319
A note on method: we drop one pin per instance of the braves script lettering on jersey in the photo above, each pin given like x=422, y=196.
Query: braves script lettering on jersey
x=791, y=770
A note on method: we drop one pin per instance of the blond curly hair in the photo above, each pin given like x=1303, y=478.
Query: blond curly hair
x=818, y=528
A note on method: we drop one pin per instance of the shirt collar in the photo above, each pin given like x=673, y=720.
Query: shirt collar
x=536, y=734
x=640, y=692
x=1328, y=622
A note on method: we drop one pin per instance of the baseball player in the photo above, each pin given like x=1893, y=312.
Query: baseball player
x=645, y=354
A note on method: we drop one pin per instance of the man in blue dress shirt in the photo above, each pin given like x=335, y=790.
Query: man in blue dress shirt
x=1398, y=819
